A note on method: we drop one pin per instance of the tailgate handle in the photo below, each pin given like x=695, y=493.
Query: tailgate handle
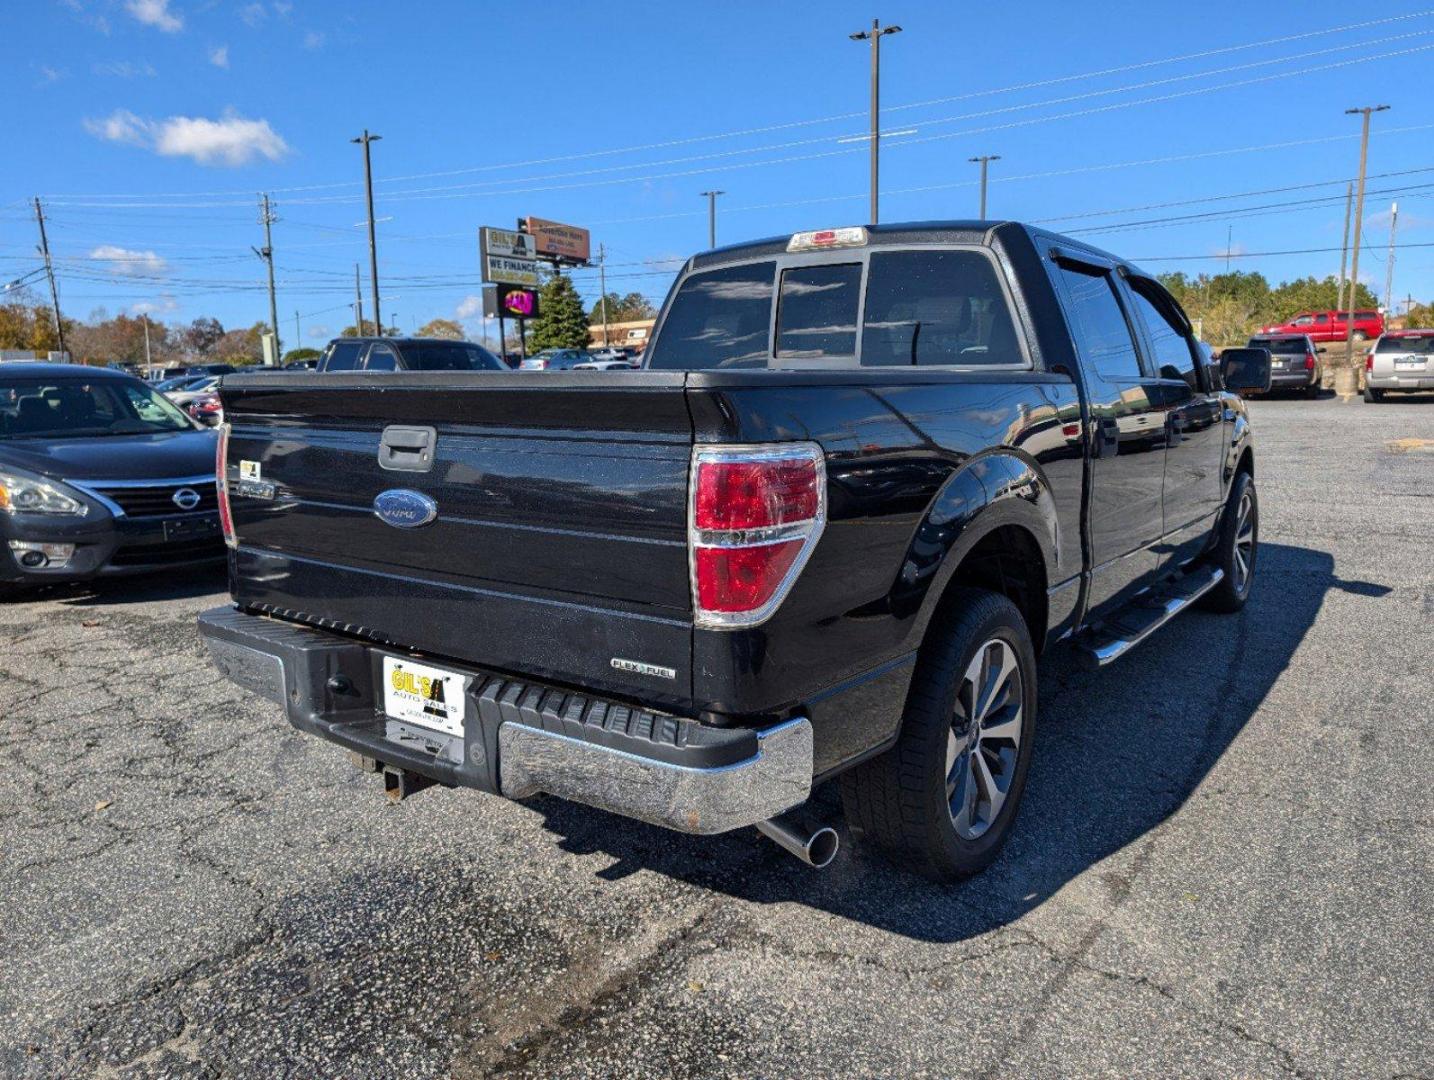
x=407, y=449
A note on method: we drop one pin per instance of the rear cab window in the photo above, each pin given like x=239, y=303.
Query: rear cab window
x=1413, y=343
x=881, y=307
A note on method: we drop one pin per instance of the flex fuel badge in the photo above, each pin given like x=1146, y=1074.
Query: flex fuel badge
x=250, y=470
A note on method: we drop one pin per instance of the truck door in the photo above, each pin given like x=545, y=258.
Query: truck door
x=1127, y=433
x=1194, y=419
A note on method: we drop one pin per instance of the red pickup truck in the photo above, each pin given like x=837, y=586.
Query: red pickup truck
x=1331, y=325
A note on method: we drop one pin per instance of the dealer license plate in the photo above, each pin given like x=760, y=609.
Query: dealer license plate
x=1401, y=364
x=427, y=696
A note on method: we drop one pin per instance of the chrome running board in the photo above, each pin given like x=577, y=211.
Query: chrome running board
x=1144, y=615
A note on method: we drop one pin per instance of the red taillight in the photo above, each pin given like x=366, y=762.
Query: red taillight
x=221, y=480
x=1309, y=361
x=755, y=514
x=1369, y=360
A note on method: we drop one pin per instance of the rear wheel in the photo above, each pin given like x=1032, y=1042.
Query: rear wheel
x=1360, y=335
x=944, y=798
x=1372, y=395
x=1312, y=391
x=1236, y=547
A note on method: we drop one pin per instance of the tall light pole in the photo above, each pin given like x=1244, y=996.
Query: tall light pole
x=365, y=139
x=874, y=35
x=1348, y=382
x=267, y=217
x=711, y=197
x=1344, y=244
x=1389, y=261
x=984, y=160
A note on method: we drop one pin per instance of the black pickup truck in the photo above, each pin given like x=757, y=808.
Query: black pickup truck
x=865, y=478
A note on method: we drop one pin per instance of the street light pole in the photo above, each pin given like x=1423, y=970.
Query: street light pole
x=712, y=217
x=874, y=35
x=1349, y=381
x=365, y=139
x=984, y=159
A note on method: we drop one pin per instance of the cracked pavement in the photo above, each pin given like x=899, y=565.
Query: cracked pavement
x=1222, y=867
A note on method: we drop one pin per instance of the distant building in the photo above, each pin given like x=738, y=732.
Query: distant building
x=621, y=335
x=21, y=355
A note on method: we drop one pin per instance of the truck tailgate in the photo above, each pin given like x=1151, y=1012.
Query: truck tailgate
x=559, y=542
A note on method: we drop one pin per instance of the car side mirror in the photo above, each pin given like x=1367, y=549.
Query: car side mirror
x=1246, y=369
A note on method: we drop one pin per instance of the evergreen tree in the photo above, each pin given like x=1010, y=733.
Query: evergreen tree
x=561, y=321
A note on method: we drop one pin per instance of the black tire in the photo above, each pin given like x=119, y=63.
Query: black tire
x=1360, y=335
x=1312, y=392
x=1373, y=396
x=1235, y=548
x=902, y=800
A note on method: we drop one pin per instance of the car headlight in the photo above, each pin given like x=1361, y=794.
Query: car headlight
x=22, y=495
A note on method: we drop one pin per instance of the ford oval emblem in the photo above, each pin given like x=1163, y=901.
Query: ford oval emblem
x=404, y=508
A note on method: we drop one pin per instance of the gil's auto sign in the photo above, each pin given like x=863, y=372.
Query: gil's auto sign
x=508, y=257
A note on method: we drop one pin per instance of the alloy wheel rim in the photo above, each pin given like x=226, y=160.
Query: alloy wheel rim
x=1244, y=541
x=984, y=739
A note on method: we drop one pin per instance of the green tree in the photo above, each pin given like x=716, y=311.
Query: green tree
x=441, y=328
x=630, y=308
x=367, y=331
x=561, y=322
x=300, y=354
x=202, y=335
x=1420, y=317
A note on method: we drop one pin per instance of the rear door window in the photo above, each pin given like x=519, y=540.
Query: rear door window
x=936, y=307
x=719, y=318
x=817, y=309
x=1098, y=322
x=1174, y=358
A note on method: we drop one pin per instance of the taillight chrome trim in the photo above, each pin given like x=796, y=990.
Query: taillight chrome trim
x=221, y=482
x=808, y=530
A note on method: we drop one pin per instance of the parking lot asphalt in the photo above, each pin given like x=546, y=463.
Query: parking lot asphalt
x=1222, y=868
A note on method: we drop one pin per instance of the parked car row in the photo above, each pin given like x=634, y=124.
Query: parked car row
x=1331, y=325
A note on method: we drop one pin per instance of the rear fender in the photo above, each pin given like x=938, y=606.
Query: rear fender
x=1002, y=487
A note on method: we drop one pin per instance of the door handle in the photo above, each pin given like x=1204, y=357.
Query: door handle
x=406, y=449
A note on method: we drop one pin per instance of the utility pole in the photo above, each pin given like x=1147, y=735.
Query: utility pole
x=1348, y=379
x=602, y=284
x=712, y=217
x=365, y=139
x=298, y=335
x=147, y=361
x=50, y=273
x=1389, y=262
x=984, y=160
x=266, y=219
x=1229, y=243
x=874, y=35
x=1344, y=247
x=358, y=304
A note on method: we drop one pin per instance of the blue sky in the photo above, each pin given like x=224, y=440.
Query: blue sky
x=149, y=126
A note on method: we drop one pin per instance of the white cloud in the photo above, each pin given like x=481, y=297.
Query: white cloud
x=49, y=75
x=219, y=56
x=282, y=8
x=314, y=39
x=155, y=13
x=121, y=126
x=231, y=140
x=470, y=307
x=320, y=333
x=165, y=305
x=124, y=69
x=253, y=14
x=129, y=261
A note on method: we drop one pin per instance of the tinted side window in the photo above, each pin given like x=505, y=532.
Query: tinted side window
x=1102, y=334
x=936, y=307
x=381, y=358
x=718, y=319
x=344, y=356
x=816, y=314
x=1173, y=358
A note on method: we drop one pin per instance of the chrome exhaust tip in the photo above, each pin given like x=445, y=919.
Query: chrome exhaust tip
x=816, y=847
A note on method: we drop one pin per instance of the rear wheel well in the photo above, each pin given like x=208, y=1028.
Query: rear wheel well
x=1246, y=463
x=1007, y=560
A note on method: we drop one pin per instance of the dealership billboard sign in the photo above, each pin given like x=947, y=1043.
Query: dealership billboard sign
x=559, y=242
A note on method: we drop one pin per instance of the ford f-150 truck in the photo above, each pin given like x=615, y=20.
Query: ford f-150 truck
x=865, y=478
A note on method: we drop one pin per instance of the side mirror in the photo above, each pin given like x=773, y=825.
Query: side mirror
x=1246, y=369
